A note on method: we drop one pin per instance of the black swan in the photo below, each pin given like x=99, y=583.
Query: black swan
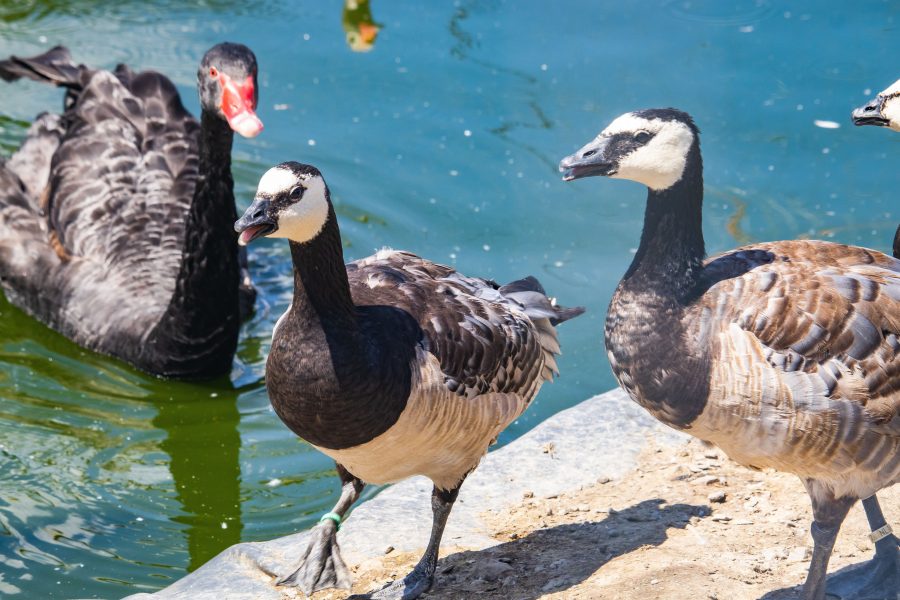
x=784, y=354
x=116, y=216
x=392, y=365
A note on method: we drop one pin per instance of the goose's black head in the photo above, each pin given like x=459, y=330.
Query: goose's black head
x=292, y=201
x=648, y=146
x=227, y=83
x=883, y=110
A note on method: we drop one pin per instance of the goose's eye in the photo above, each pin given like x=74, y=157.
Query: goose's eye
x=642, y=137
x=297, y=193
x=213, y=72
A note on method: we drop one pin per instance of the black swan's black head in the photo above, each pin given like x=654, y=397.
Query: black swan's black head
x=651, y=146
x=883, y=110
x=292, y=201
x=227, y=83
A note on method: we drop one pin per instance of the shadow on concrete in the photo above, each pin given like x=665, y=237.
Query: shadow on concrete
x=557, y=558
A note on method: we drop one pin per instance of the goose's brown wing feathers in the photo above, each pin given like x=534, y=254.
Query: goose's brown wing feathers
x=484, y=341
x=826, y=313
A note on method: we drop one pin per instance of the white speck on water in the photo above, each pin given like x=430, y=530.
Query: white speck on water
x=787, y=14
x=467, y=133
x=139, y=519
x=558, y=263
x=799, y=107
x=42, y=39
x=453, y=255
x=281, y=106
x=432, y=200
x=486, y=248
x=273, y=482
x=830, y=213
x=311, y=142
x=453, y=172
x=771, y=167
x=867, y=92
x=826, y=124
x=306, y=37
x=826, y=150
x=543, y=67
x=746, y=29
x=224, y=525
x=402, y=70
x=632, y=250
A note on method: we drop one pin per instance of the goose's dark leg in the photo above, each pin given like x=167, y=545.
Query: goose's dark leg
x=422, y=576
x=878, y=579
x=828, y=514
x=321, y=566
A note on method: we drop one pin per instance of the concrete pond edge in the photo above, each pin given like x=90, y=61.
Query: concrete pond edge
x=599, y=437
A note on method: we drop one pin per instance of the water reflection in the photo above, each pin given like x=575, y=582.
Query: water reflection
x=203, y=444
x=359, y=26
x=90, y=453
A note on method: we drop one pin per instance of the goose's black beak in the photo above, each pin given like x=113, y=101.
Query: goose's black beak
x=870, y=113
x=256, y=222
x=591, y=160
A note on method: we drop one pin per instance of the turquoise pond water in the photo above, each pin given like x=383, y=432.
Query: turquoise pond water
x=442, y=140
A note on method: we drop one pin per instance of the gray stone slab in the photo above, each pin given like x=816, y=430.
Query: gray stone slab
x=600, y=437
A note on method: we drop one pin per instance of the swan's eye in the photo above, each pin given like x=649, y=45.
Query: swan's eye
x=642, y=137
x=297, y=193
x=213, y=72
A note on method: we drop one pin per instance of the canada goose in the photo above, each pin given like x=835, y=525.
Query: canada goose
x=116, y=216
x=884, y=111
x=784, y=354
x=392, y=365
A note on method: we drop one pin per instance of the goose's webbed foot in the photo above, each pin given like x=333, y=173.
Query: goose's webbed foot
x=321, y=566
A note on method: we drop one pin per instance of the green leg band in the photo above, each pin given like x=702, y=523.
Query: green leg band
x=333, y=516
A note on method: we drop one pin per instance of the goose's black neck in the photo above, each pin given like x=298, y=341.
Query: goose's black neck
x=670, y=256
x=321, y=288
x=338, y=374
x=198, y=332
x=655, y=353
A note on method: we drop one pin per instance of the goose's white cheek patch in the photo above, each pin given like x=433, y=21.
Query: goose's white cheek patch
x=276, y=180
x=891, y=112
x=661, y=162
x=304, y=219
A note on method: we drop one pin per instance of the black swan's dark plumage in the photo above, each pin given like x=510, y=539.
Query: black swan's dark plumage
x=116, y=217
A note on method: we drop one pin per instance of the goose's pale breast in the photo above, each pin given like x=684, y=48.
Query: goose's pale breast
x=439, y=434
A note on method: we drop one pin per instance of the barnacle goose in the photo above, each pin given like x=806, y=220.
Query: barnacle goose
x=392, y=365
x=784, y=354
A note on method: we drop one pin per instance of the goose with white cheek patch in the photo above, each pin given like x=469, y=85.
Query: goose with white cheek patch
x=116, y=216
x=392, y=365
x=784, y=354
x=882, y=111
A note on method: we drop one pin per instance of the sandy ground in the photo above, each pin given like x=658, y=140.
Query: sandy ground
x=688, y=523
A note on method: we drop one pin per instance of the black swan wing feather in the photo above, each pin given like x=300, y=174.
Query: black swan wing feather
x=123, y=179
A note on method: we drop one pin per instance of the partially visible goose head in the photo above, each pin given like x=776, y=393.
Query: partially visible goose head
x=883, y=110
x=653, y=147
x=227, y=83
x=291, y=202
